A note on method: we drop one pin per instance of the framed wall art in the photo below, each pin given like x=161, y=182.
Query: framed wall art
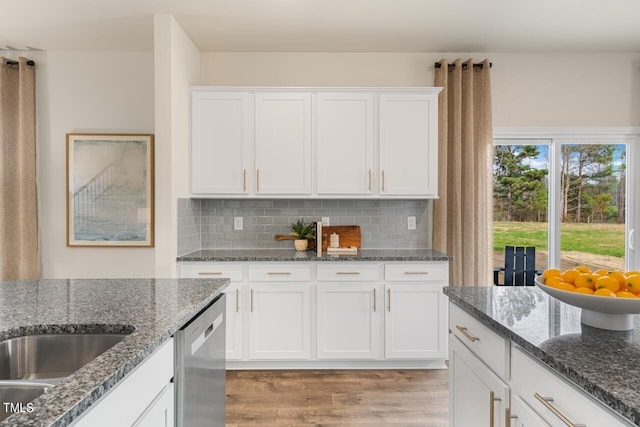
x=110, y=194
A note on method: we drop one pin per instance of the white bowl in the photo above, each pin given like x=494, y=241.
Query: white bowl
x=610, y=313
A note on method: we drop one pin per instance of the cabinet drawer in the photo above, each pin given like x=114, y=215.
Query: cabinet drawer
x=535, y=383
x=486, y=344
x=202, y=270
x=348, y=272
x=418, y=272
x=279, y=273
x=124, y=403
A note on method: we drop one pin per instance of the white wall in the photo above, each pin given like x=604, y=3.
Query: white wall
x=86, y=92
x=177, y=66
x=527, y=89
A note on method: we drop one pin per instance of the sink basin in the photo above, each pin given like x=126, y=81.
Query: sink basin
x=36, y=357
x=16, y=397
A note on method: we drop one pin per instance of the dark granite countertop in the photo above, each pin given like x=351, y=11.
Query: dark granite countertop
x=292, y=255
x=602, y=363
x=152, y=308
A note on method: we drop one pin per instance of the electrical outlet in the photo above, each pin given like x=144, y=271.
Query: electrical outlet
x=325, y=221
x=411, y=223
x=237, y=223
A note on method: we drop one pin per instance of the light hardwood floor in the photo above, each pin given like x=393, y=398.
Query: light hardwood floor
x=337, y=398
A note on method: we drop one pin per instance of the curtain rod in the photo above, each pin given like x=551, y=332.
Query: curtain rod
x=464, y=65
x=10, y=62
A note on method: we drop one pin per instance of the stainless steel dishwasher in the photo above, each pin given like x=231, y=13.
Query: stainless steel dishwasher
x=200, y=369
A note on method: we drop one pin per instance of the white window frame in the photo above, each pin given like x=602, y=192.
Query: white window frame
x=574, y=135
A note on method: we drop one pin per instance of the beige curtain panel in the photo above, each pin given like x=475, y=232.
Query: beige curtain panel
x=18, y=199
x=462, y=217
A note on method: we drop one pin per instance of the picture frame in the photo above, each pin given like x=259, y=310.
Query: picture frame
x=110, y=190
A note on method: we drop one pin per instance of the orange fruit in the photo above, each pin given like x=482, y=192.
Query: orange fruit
x=604, y=292
x=569, y=276
x=564, y=286
x=588, y=291
x=583, y=269
x=631, y=272
x=550, y=272
x=632, y=283
x=621, y=278
x=601, y=272
x=553, y=280
x=585, y=280
x=626, y=294
x=608, y=282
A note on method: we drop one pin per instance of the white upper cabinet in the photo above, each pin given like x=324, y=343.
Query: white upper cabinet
x=344, y=143
x=311, y=142
x=283, y=143
x=408, y=141
x=222, y=128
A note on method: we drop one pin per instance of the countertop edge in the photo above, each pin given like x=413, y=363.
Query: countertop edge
x=594, y=390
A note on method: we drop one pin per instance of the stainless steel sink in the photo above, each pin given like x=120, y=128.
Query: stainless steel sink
x=47, y=356
x=15, y=397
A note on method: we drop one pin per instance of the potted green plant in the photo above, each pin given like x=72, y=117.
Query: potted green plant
x=302, y=232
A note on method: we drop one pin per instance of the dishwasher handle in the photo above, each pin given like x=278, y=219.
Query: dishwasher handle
x=203, y=337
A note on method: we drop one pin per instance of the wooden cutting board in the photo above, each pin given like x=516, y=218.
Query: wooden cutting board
x=349, y=235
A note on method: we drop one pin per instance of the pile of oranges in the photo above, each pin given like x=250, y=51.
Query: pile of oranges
x=601, y=282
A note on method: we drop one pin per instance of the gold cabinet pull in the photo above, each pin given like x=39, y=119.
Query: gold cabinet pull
x=209, y=273
x=415, y=272
x=464, y=331
x=279, y=273
x=374, y=299
x=347, y=272
x=252, y=300
x=244, y=180
x=492, y=400
x=389, y=300
x=237, y=300
x=546, y=401
x=382, y=181
x=257, y=180
x=369, y=179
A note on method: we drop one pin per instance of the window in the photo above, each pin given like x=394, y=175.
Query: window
x=569, y=193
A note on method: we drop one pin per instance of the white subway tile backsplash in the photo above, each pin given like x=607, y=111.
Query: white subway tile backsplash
x=208, y=223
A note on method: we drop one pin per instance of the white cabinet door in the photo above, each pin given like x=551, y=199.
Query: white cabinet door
x=408, y=141
x=283, y=143
x=234, y=321
x=415, y=321
x=344, y=143
x=235, y=292
x=161, y=413
x=221, y=137
x=523, y=416
x=279, y=321
x=135, y=396
x=477, y=397
x=554, y=398
x=348, y=316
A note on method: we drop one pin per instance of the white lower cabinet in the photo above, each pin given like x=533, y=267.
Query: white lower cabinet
x=235, y=292
x=494, y=382
x=477, y=396
x=523, y=416
x=554, y=400
x=162, y=412
x=144, y=397
x=348, y=316
x=332, y=314
x=416, y=311
x=279, y=321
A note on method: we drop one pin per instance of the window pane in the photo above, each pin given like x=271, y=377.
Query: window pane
x=593, y=206
x=520, y=200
